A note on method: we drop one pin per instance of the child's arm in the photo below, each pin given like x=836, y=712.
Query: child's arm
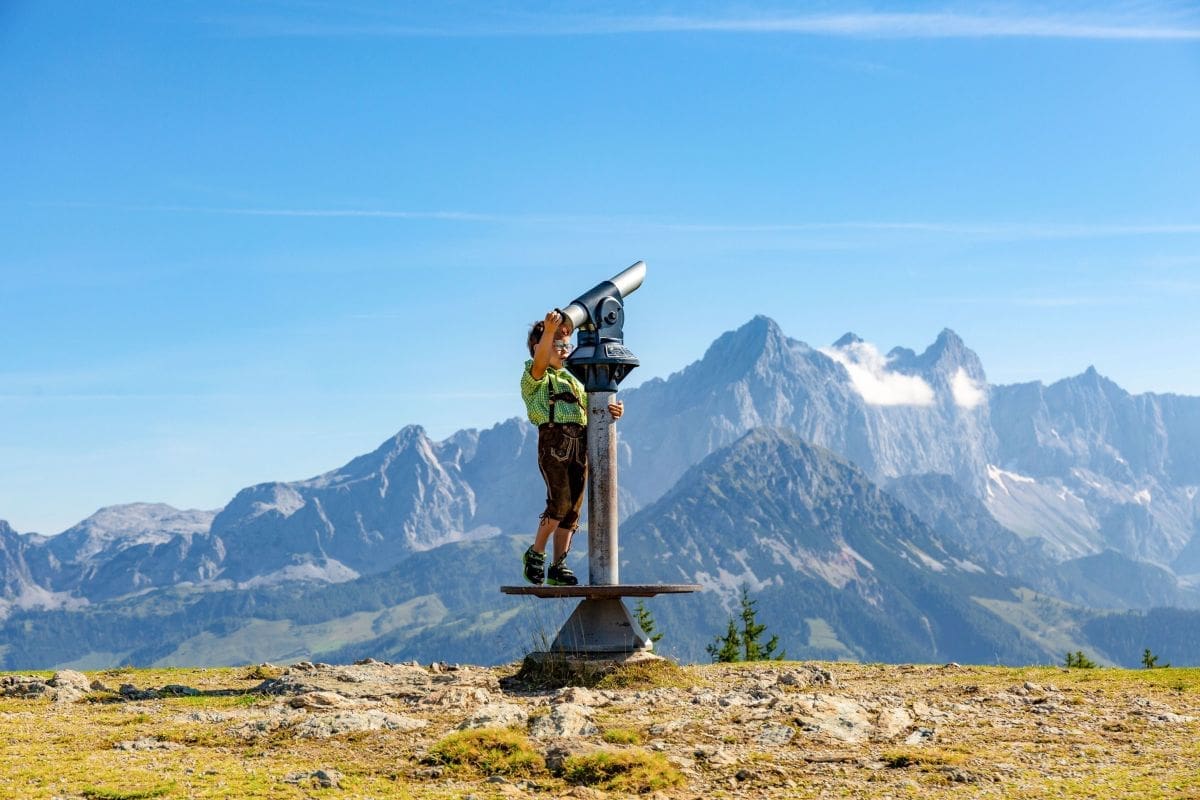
x=541, y=353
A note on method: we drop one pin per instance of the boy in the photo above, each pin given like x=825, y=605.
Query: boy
x=557, y=403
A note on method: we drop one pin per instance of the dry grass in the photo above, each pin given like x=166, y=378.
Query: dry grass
x=488, y=751
x=629, y=771
x=621, y=736
x=655, y=674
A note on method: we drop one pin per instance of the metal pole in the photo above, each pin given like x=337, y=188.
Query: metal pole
x=602, y=491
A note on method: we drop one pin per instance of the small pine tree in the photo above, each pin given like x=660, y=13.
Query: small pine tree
x=1150, y=661
x=752, y=630
x=745, y=644
x=1079, y=661
x=646, y=621
x=727, y=648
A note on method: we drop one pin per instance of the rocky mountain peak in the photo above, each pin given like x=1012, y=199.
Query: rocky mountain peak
x=1090, y=380
x=948, y=348
x=948, y=339
x=410, y=438
x=749, y=342
x=770, y=457
x=1092, y=377
x=848, y=339
x=945, y=357
x=406, y=438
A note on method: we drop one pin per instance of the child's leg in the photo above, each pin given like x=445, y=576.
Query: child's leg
x=577, y=482
x=545, y=528
x=562, y=542
x=555, y=473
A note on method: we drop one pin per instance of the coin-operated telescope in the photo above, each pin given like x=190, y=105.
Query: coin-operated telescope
x=601, y=360
x=601, y=624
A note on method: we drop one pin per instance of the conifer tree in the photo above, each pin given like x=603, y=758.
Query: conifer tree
x=727, y=648
x=1150, y=661
x=752, y=631
x=646, y=621
x=1079, y=660
x=745, y=644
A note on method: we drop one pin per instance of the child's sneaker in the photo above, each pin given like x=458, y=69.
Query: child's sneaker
x=561, y=575
x=535, y=565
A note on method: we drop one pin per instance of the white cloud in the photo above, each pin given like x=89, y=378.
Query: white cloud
x=861, y=25
x=967, y=393
x=871, y=378
x=1001, y=231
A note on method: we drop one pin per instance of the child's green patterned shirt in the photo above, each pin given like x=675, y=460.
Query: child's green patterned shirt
x=536, y=395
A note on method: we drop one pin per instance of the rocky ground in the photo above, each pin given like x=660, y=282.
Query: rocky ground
x=376, y=730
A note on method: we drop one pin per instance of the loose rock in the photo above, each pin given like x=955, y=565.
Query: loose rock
x=838, y=717
x=496, y=715
x=920, y=736
x=320, y=701
x=893, y=722
x=774, y=735
x=323, y=778
x=24, y=687
x=461, y=697
x=564, y=719
x=147, y=744
x=69, y=685
x=322, y=726
x=810, y=675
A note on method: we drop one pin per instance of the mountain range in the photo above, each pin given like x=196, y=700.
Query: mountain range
x=884, y=507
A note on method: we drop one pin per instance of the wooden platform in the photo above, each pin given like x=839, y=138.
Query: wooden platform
x=599, y=592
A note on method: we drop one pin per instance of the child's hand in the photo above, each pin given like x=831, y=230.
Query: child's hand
x=616, y=409
x=552, y=322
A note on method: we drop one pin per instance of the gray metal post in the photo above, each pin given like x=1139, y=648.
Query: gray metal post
x=603, y=564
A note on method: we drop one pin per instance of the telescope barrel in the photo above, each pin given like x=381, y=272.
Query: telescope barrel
x=629, y=279
x=625, y=283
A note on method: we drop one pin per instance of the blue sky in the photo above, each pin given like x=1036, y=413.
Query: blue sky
x=248, y=241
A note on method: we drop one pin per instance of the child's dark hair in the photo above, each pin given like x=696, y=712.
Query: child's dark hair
x=535, y=335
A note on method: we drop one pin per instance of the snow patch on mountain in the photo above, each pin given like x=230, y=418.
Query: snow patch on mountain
x=31, y=596
x=285, y=501
x=1002, y=477
x=478, y=532
x=1046, y=509
x=837, y=569
x=924, y=558
x=727, y=586
x=874, y=380
x=326, y=570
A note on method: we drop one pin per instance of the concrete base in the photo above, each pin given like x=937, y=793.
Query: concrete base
x=601, y=626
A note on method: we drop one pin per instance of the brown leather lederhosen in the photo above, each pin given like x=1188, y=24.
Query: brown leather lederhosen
x=562, y=459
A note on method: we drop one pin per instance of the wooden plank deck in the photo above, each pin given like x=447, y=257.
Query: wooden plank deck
x=597, y=592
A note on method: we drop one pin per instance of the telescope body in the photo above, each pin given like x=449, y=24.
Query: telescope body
x=586, y=310
x=600, y=359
